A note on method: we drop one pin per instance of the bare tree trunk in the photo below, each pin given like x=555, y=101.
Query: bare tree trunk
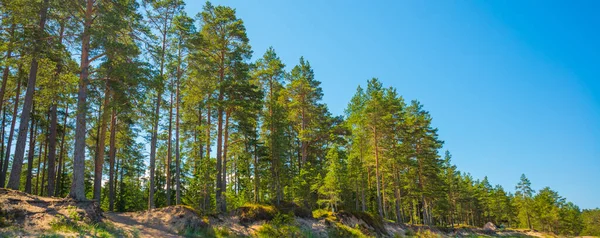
x=15, y=173
x=256, y=175
x=61, y=163
x=219, y=156
x=6, y=70
x=224, y=179
x=11, y=132
x=379, y=206
x=206, y=173
x=111, y=154
x=78, y=184
x=45, y=166
x=177, y=158
x=169, y=148
x=52, y=150
x=2, y=135
x=153, y=151
x=30, y=156
x=5, y=74
x=53, y=122
x=219, y=192
x=37, y=173
x=99, y=161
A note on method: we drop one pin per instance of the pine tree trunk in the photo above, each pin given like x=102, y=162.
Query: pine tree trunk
x=397, y=194
x=220, y=101
x=15, y=173
x=52, y=150
x=153, y=152
x=11, y=132
x=169, y=149
x=99, y=160
x=37, y=174
x=78, y=184
x=224, y=173
x=6, y=70
x=45, y=166
x=379, y=205
x=61, y=163
x=2, y=135
x=53, y=121
x=111, y=155
x=177, y=158
x=256, y=175
x=5, y=74
x=30, y=156
x=206, y=172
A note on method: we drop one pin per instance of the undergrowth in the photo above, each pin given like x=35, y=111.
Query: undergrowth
x=283, y=225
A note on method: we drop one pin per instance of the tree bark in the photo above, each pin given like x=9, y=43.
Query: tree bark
x=206, y=172
x=375, y=138
x=99, y=161
x=53, y=122
x=61, y=163
x=78, y=185
x=11, y=132
x=169, y=148
x=45, y=166
x=111, y=154
x=52, y=150
x=177, y=158
x=41, y=150
x=220, y=105
x=30, y=156
x=153, y=152
x=6, y=70
x=224, y=179
x=5, y=73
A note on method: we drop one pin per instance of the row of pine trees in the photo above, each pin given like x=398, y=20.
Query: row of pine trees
x=138, y=105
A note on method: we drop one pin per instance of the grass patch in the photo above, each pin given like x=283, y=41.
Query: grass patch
x=251, y=212
x=340, y=230
x=283, y=225
x=213, y=232
x=67, y=225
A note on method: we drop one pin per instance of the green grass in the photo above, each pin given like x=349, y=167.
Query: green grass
x=101, y=230
x=340, y=230
x=212, y=232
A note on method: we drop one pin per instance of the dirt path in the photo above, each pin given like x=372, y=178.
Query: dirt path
x=126, y=222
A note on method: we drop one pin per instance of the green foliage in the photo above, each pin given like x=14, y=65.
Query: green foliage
x=591, y=222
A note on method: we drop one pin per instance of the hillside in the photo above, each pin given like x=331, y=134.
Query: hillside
x=25, y=215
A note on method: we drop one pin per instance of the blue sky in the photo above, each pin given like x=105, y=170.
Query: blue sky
x=513, y=86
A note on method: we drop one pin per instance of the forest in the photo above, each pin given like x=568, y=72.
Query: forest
x=137, y=105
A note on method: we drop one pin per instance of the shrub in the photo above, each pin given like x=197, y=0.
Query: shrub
x=255, y=212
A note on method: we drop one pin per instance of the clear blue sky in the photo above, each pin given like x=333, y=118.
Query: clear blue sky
x=513, y=86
